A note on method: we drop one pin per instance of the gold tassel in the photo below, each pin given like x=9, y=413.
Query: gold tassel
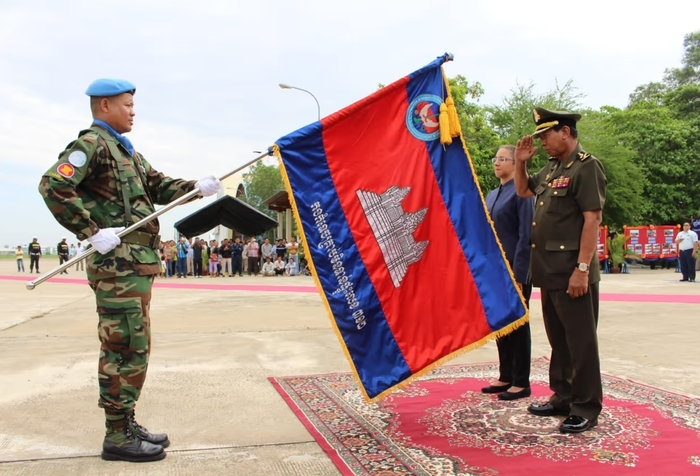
x=444, y=120
x=455, y=128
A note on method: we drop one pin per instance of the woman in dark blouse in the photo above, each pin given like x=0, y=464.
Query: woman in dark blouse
x=512, y=217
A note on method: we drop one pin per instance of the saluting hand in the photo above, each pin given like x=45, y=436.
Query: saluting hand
x=578, y=284
x=524, y=150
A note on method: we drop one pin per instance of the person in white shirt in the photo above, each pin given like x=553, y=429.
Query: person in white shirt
x=80, y=265
x=190, y=259
x=244, y=255
x=686, y=241
x=268, y=268
x=267, y=250
x=292, y=268
x=279, y=266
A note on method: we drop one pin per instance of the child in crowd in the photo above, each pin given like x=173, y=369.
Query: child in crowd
x=162, y=263
x=19, y=254
x=213, y=261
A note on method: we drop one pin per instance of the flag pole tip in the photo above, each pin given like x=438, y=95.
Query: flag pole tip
x=449, y=57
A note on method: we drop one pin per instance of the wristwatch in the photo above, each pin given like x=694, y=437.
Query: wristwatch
x=583, y=267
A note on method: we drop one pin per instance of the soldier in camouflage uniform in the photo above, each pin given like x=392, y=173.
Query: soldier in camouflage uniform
x=99, y=185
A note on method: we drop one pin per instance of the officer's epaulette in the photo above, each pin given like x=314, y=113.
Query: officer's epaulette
x=583, y=155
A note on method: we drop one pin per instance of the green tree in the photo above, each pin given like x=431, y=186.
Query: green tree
x=689, y=72
x=661, y=124
x=651, y=92
x=261, y=182
x=625, y=186
x=661, y=142
x=674, y=78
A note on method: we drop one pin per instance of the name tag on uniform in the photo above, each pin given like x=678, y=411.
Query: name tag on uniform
x=561, y=182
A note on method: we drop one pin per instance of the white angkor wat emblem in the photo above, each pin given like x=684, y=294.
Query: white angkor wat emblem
x=393, y=229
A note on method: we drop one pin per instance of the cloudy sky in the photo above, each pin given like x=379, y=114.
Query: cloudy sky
x=207, y=72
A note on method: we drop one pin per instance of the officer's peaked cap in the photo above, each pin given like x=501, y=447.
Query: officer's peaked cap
x=545, y=119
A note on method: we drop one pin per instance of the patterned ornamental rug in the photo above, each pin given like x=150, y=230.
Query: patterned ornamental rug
x=442, y=425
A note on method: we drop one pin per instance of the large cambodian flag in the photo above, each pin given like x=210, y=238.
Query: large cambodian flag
x=397, y=233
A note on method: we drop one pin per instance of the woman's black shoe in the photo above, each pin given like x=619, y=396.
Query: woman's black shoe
x=495, y=388
x=524, y=393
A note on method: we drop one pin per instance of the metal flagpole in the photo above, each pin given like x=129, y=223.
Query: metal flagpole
x=88, y=251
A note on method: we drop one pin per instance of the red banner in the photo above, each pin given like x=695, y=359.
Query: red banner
x=602, y=243
x=653, y=242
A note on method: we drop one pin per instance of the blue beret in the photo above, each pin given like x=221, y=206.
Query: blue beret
x=109, y=87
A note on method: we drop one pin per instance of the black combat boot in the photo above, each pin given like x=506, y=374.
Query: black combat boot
x=120, y=444
x=160, y=439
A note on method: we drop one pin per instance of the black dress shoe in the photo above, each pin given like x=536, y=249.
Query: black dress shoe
x=495, y=388
x=524, y=393
x=546, y=410
x=577, y=424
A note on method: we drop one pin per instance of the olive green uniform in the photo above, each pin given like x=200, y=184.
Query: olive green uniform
x=563, y=191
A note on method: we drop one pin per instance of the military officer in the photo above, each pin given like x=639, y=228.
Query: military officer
x=569, y=198
x=98, y=186
x=34, y=255
x=63, y=253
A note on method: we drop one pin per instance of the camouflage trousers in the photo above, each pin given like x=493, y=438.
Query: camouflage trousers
x=125, y=334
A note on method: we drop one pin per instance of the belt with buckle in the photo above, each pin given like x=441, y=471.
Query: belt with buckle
x=142, y=238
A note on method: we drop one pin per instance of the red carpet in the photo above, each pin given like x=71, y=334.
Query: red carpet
x=442, y=425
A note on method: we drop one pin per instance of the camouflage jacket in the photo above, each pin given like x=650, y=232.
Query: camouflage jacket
x=85, y=192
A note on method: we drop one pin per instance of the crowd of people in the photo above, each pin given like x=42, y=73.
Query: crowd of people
x=197, y=258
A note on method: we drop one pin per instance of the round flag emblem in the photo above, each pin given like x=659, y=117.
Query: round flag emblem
x=422, y=117
x=65, y=170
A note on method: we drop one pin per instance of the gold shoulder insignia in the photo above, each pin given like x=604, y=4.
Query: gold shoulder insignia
x=583, y=155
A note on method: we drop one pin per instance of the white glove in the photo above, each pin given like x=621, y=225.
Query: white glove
x=106, y=239
x=208, y=185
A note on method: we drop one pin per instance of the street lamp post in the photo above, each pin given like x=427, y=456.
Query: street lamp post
x=318, y=106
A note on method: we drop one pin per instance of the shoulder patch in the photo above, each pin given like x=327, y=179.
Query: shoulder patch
x=583, y=155
x=53, y=175
x=77, y=158
x=65, y=170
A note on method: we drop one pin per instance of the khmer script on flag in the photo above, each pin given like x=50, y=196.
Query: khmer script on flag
x=397, y=234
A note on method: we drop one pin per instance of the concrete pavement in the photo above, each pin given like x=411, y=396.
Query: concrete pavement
x=213, y=350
